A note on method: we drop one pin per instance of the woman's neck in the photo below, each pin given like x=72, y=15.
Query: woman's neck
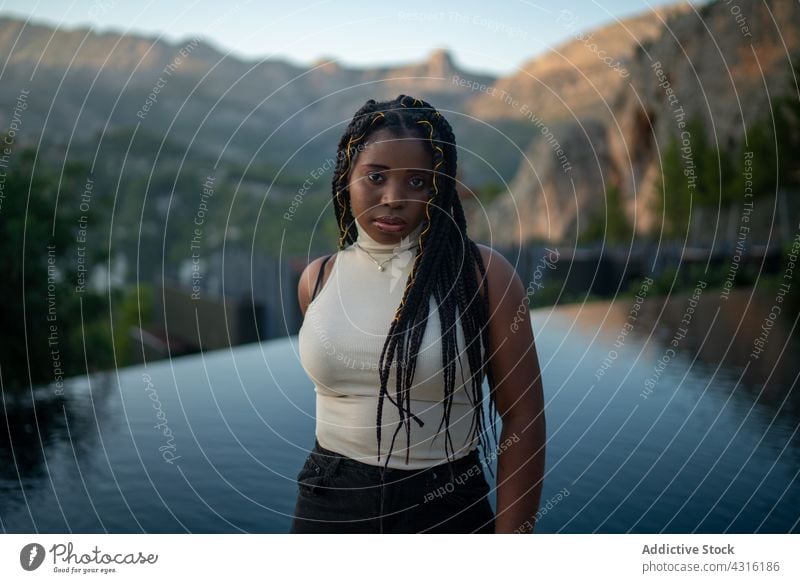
x=376, y=247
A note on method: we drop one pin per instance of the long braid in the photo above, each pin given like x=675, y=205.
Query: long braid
x=442, y=271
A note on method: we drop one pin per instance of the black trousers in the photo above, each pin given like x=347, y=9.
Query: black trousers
x=337, y=494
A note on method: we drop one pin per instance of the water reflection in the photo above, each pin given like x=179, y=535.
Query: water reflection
x=663, y=422
x=38, y=421
x=656, y=423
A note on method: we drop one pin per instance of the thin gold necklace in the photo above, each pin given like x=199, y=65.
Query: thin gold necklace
x=375, y=261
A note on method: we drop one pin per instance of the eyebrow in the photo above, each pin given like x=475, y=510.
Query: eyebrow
x=388, y=168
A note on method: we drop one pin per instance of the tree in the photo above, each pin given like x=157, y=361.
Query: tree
x=609, y=223
x=43, y=338
x=673, y=200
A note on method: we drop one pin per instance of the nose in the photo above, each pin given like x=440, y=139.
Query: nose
x=393, y=194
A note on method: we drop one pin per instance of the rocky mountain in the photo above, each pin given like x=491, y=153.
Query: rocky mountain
x=721, y=63
x=82, y=83
x=91, y=82
x=586, y=115
x=722, y=69
x=578, y=77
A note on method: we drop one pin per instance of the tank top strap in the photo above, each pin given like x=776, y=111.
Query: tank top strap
x=319, y=277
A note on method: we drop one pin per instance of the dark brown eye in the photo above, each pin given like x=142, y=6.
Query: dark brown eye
x=374, y=177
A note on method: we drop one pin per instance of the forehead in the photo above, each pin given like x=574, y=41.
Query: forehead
x=387, y=149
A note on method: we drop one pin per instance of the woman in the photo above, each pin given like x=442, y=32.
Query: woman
x=408, y=291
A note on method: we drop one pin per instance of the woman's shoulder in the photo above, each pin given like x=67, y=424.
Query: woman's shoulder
x=492, y=255
x=317, y=269
x=501, y=275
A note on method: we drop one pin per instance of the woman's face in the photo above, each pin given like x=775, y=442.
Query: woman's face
x=389, y=184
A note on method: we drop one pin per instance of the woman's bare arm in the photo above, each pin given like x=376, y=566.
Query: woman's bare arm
x=308, y=278
x=518, y=396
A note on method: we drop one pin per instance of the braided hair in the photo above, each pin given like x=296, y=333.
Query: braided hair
x=442, y=268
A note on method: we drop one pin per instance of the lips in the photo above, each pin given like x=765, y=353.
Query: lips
x=390, y=224
x=390, y=220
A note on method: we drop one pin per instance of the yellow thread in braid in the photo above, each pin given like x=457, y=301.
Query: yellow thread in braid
x=341, y=217
x=350, y=142
x=430, y=138
x=428, y=215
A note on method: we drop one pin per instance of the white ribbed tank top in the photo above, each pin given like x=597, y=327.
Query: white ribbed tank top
x=340, y=343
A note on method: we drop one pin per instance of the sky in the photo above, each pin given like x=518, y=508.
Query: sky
x=480, y=36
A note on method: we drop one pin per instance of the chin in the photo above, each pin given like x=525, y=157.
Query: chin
x=385, y=237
